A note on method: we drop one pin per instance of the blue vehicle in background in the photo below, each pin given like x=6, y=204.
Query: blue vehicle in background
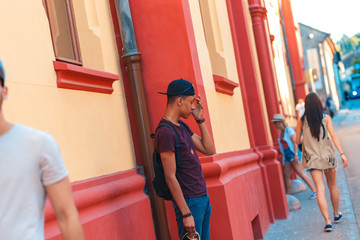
x=352, y=90
x=355, y=85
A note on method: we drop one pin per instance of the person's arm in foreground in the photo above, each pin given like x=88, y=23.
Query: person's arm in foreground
x=204, y=144
x=60, y=195
x=335, y=140
x=169, y=164
x=297, y=139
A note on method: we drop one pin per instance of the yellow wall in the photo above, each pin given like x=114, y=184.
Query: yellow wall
x=91, y=129
x=226, y=112
x=283, y=76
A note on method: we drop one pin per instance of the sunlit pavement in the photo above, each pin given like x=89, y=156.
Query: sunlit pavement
x=308, y=223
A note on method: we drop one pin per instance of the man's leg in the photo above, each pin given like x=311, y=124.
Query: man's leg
x=205, y=233
x=201, y=211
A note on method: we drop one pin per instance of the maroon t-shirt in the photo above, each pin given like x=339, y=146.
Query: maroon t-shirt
x=189, y=174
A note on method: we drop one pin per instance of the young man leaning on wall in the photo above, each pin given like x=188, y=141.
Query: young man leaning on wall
x=185, y=180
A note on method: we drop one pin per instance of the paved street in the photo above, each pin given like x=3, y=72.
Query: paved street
x=349, y=134
x=308, y=223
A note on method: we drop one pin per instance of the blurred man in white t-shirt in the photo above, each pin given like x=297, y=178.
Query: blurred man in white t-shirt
x=300, y=108
x=31, y=169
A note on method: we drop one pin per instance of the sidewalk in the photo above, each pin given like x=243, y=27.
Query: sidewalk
x=308, y=223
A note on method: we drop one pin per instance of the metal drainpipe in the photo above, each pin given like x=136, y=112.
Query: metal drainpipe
x=132, y=60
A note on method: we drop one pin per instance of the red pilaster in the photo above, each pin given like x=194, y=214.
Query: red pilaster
x=293, y=48
x=262, y=41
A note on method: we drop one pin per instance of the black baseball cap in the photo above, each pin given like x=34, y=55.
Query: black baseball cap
x=180, y=87
x=2, y=74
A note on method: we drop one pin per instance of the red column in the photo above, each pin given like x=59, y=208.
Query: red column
x=261, y=34
x=293, y=48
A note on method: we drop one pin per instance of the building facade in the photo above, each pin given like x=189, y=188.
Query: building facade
x=88, y=72
x=321, y=67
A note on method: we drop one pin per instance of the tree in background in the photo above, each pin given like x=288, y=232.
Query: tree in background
x=349, y=45
x=356, y=63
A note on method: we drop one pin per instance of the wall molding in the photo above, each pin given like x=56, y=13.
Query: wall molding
x=224, y=85
x=104, y=204
x=75, y=77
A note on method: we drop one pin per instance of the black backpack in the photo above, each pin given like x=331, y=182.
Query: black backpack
x=159, y=183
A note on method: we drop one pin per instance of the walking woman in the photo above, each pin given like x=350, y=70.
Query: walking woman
x=290, y=156
x=319, y=156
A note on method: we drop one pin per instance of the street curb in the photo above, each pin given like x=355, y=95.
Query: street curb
x=348, y=213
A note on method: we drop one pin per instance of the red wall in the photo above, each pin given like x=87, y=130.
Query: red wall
x=111, y=207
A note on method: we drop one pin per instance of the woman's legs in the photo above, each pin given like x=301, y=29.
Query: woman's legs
x=317, y=176
x=287, y=173
x=334, y=193
x=300, y=171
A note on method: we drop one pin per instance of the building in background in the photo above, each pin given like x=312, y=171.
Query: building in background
x=88, y=72
x=321, y=63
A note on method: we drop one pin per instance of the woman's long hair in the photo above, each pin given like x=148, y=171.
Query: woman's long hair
x=313, y=114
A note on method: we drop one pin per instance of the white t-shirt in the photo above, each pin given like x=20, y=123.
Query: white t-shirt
x=29, y=161
x=300, y=108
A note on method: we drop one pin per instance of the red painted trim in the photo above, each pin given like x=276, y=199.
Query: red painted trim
x=224, y=85
x=79, y=78
x=103, y=204
x=272, y=38
x=257, y=11
x=294, y=51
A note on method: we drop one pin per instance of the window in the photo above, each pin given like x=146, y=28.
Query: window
x=63, y=31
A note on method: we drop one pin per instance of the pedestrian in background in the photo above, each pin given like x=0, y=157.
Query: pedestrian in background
x=323, y=104
x=319, y=155
x=186, y=181
x=287, y=143
x=31, y=168
x=330, y=106
x=300, y=108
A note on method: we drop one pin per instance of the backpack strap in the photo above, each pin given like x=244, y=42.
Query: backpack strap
x=177, y=141
x=323, y=127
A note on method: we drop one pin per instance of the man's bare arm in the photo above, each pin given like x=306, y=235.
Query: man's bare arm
x=298, y=133
x=60, y=195
x=336, y=140
x=204, y=144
